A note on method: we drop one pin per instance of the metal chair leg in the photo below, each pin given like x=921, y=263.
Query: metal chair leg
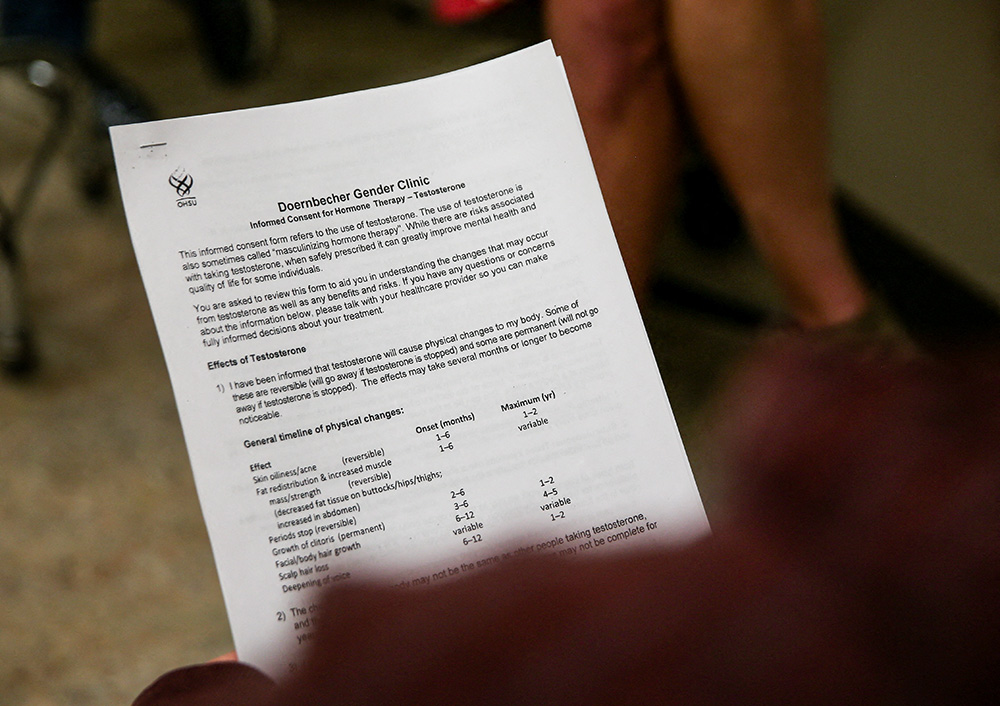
x=54, y=78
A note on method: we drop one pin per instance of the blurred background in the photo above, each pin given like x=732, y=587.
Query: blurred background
x=106, y=577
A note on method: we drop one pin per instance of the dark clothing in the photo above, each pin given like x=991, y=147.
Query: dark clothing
x=857, y=562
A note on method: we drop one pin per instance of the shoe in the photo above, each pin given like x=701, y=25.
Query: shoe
x=877, y=327
x=114, y=101
x=237, y=36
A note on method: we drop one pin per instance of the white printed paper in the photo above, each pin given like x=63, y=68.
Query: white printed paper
x=401, y=339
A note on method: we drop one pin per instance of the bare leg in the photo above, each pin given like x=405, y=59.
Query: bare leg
x=753, y=75
x=616, y=60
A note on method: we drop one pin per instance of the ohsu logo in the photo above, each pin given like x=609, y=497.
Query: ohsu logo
x=182, y=182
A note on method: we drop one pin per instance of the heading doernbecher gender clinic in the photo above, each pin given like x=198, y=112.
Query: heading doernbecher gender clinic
x=358, y=193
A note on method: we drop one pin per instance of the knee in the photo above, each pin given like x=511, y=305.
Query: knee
x=607, y=26
x=609, y=45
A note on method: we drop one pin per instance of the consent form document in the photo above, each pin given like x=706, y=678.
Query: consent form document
x=402, y=341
